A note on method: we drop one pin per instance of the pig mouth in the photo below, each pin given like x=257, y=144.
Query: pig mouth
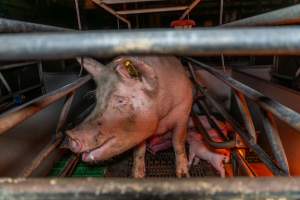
x=88, y=155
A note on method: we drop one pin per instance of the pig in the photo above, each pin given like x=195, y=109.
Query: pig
x=136, y=97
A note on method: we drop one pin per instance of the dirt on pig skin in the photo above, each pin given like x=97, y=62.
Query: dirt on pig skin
x=137, y=97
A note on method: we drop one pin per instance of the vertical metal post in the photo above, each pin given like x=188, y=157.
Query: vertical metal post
x=80, y=28
x=41, y=76
x=274, y=140
x=220, y=23
x=6, y=85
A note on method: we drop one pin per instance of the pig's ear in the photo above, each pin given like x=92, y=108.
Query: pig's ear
x=92, y=66
x=138, y=70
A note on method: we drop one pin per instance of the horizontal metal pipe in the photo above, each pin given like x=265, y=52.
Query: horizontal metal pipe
x=15, y=65
x=63, y=45
x=15, y=26
x=280, y=111
x=288, y=15
x=171, y=188
x=151, y=10
x=17, y=115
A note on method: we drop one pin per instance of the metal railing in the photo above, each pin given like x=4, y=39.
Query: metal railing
x=64, y=43
x=270, y=108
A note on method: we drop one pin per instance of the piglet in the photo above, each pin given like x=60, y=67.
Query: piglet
x=199, y=150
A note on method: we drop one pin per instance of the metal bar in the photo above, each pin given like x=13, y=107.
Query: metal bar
x=249, y=141
x=20, y=92
x=50, y=147
x=128, y=1
x=275, y=141
x=284, y=16
x=78, y=14
x=190, y=8
x=151, y=10
x=259, y=41
x=280, y=111
x=245, y=113
x=117, y=188
x=14, y=65
x=64, y=112
x=6, y=85
x=17, y=115
x=113, y=12
x=70, y=166
x=15, y=26
x=244, y=164
x=217, y=145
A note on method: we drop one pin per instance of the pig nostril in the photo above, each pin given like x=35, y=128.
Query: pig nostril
x=75, y=145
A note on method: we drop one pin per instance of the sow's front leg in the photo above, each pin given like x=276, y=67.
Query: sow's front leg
x=179, y=139
x=138, y=168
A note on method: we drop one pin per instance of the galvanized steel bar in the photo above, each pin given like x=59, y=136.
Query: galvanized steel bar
x=63, y=45
x=274, y=140
x=17, y=115
x=172, y=188
x=288, y=15
x=280, y=111
x=15, y=26
x=245, y=113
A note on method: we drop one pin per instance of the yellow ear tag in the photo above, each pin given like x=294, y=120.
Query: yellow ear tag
x=132, y=71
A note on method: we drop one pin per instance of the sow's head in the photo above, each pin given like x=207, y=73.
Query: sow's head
x=124, y=115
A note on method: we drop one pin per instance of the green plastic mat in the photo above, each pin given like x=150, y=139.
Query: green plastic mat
x=82, y=169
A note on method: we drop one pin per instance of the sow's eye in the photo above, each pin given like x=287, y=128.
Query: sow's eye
x=121, y=101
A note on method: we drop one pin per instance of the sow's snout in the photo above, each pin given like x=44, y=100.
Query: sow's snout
x=71, y=143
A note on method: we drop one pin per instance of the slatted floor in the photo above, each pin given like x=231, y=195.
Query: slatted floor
x=160, y=165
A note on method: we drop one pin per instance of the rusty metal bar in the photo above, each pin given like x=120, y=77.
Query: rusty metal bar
x=113, y=12
x=247, y=138
x=14, y=65
x=245, y=113
x=17, y=115
x=280, y=111
x=288, y=15
x=190, y=8
x=50, y=147
x=70, y=166
x=275, y=141
x=175, y=189
x=62, y=45
x=15, y=26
